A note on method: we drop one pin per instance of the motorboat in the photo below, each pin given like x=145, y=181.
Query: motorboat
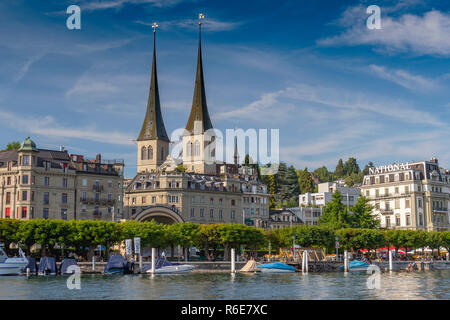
x=275, y=267
x=356, y=265
x=117, y=265
x=65, y=265
x=47, y=266
x=163, y=266
x=12, y=266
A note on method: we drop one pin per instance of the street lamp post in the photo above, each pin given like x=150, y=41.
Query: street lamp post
x=337, y=248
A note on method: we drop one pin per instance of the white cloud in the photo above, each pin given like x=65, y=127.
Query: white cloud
x=404, y=78
x=48, y=126
x=422, y=35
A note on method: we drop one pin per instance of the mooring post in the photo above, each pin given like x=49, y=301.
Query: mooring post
x=28, y=272
x=140, y=263
x=233, y=263
x=93, y=263
x=346, y=261
x=306, y=260
x=303, y=262
x=390, y=261
x=153, y=260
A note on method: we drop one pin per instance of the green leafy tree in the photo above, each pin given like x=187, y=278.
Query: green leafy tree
x=305, y=181
x=362, y=215
x=323, y=174
x=335, y=214
x=15, y=145
x=209, y=238
x=351, y=167
x=339, y=172
x=8, y=232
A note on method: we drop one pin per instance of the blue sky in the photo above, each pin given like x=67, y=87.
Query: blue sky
x=334, y=88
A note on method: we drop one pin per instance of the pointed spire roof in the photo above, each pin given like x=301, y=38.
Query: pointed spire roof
x=199, y=110
x=236, y=153
x=153, y=127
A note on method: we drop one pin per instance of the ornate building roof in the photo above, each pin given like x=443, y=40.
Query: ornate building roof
x=153, y=127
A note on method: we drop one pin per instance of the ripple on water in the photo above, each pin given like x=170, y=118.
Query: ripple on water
x=397, y=285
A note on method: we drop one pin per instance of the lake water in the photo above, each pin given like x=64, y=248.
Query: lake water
x=397, y=285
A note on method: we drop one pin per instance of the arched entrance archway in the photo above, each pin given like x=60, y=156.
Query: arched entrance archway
x=160, y=214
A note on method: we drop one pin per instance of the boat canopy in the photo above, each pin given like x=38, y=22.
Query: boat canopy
x=3, y=256
x=355, y=264
x=47, y=265
x=32, y=265
x=65, y=264
x=276, y=265
x=250, y=266
x=116, y=262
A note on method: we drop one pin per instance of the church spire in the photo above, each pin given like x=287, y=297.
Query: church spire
x=199, y=110
x=153, y=126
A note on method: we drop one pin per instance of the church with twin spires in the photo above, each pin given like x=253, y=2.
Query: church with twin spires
x=198, y=188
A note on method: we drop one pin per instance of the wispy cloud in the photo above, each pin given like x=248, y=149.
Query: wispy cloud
x=210, y=24
x=48, y=126
x=273, y=105
x=404, y=78
x=421, y=35
x=118, y=4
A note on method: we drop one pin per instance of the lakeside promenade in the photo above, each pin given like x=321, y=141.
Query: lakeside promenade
x=225, y=266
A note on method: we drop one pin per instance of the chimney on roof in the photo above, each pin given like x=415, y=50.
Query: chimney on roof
x=98, y=158
x=434, y=160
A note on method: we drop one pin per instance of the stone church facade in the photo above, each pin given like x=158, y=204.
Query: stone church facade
x=197, y=188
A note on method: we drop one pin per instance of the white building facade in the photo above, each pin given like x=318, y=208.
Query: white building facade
x=413, y=195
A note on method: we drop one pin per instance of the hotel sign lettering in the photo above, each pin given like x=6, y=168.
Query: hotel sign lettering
x=390, y=168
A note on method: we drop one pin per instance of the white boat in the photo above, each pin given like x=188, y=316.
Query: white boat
x=12, y=266
x=162, y=266
x=275, y=267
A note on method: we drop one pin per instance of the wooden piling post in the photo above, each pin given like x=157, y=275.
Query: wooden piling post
x=233, y=262
x=153, y=260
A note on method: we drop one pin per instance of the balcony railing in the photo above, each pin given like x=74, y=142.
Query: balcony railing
x=440, y=210
x=386, y=211
x=97, y=188
x=97, y=214
x=103, y=202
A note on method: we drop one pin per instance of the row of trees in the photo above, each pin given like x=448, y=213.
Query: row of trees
x=354, y=239
x=84, y=235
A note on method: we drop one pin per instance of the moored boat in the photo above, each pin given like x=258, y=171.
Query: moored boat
x=356, y=265
x=11, y=266
x=65, y=265
x=275, y=267
x=163, y=266
x=117, y=265
x=47, y=266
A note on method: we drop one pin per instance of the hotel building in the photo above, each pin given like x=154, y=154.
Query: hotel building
x=197, y=188
x=413, y=195
x=50, y=184
x=311, y=204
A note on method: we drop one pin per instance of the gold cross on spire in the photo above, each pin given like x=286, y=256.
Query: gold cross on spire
x=201, y=16
x=154, y=26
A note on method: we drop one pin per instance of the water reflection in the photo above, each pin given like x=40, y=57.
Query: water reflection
x=396, y=285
